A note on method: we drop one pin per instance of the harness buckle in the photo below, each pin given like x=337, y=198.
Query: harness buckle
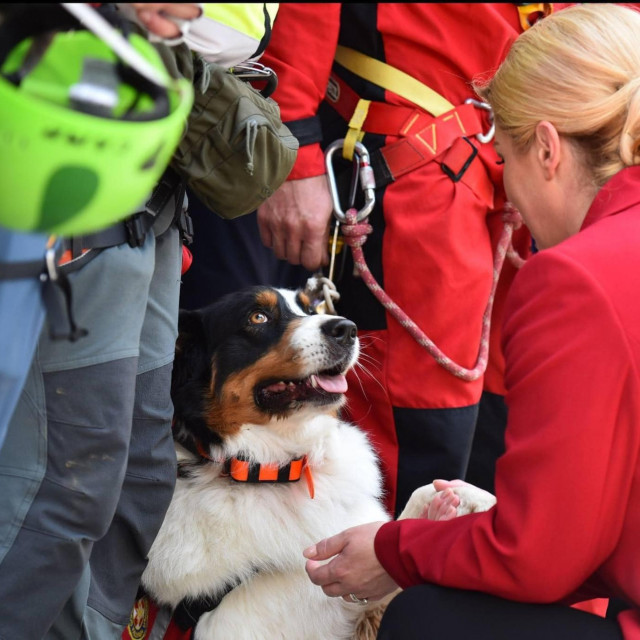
x=484, y=137
x=136, y=229
x=185, y=226
x=363, y=173
x=453, y=155
x=51, y=263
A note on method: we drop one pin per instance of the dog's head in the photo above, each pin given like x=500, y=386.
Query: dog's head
x=257, y=356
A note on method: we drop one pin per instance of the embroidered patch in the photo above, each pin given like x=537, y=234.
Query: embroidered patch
x=139, y=620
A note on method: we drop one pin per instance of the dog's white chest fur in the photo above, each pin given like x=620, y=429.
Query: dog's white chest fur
x=218, y=532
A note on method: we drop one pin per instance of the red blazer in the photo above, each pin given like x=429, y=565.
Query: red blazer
x=567, y=523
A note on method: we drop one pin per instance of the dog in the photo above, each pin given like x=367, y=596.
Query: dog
x=266, y=468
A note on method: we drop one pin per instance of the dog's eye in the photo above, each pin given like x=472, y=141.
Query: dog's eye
x=257, y=317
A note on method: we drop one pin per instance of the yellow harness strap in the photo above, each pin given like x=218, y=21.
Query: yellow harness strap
x=389, y=78
x=355, y=133
x=393, y=79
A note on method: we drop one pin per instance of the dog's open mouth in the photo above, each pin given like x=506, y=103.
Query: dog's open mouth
x=320, y=388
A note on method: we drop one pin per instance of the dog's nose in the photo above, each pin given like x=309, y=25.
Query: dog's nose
x=342, y=330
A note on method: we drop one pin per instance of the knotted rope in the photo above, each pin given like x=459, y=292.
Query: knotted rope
x=355, y=235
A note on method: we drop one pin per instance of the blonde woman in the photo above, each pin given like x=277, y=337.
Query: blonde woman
x=566, y=526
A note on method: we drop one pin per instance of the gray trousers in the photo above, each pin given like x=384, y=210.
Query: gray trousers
x=88, y=466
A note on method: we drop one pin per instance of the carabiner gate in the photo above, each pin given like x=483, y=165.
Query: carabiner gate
x=364, y=176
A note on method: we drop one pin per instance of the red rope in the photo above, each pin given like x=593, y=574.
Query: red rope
x=355, y=235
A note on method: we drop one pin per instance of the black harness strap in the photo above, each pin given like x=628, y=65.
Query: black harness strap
x=190, y=610
x=56, y=289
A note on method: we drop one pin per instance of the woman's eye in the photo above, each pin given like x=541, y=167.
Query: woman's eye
x=258, y=318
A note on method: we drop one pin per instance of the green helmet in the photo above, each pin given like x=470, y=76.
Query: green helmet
x=84, y=137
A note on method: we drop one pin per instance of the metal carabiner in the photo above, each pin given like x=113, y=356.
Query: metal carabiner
x=484, y=137
x=364, y=176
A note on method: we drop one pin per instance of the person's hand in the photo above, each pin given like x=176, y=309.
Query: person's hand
x=355, y=567
x=294, y=222
x=164, y=19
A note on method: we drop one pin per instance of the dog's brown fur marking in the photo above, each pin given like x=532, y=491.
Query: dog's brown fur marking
x=267, y=299
x=228, y=412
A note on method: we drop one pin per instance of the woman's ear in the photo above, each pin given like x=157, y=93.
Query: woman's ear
x=548, y=148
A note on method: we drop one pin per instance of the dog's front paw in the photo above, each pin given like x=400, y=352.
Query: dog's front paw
x=473, y=499
x=419, y=502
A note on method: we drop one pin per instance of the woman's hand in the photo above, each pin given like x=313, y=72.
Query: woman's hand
x=353, y=568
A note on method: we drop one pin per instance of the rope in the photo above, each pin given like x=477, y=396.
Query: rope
x=355, y=235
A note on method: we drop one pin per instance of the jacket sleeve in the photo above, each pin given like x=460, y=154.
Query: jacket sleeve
x=572, y=399
x=228, y=34
x=301, y=52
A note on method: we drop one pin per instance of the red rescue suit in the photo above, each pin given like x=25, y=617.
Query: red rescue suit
x=433, y=240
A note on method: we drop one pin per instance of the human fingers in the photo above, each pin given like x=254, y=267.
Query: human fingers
x=443, y=506
x=279, y=246
x=325, y=576
x=314, y=253
x=325, y=549
x=262, y=218
x=303, y=216
x=165, y=19
x=441, y=485
x=181, y=10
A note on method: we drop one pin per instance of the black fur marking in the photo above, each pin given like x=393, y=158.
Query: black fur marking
x=238, y=342
x=223, y=329
x=189, y=384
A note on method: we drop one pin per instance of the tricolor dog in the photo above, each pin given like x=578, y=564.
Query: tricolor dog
x=265, y=469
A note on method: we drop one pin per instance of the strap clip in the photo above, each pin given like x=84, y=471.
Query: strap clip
x=453, y=154
x=185, y=226
x=363, y=175
x=51, y=263
x=136, y=229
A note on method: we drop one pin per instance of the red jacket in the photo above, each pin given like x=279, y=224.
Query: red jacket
x=567, y=523
x=429, y=41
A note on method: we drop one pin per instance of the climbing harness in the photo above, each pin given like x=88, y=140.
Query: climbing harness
x=64, y=255
x=355, y=229
x=432, y=129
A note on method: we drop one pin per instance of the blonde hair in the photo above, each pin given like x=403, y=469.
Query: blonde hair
x=579, y=69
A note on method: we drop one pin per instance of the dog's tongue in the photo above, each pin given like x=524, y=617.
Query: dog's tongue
x=332, y=384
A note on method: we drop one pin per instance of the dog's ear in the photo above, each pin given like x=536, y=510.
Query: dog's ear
x=191, y=358
x=190, y=381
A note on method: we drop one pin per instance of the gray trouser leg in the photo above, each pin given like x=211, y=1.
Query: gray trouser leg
x=119, y=558
x=64, y=459
x=86, y=460
x=116, y=567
